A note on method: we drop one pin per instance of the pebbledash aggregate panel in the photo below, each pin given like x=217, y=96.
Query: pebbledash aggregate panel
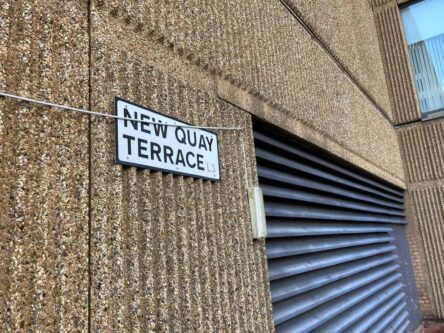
x=336, y=246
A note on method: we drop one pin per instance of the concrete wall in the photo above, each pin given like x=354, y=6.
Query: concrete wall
x=348, y=30
x=257, y=56
x=172, y=253
x=422, y=149
x=90, y=245
x=395, y=59
x=44, y=168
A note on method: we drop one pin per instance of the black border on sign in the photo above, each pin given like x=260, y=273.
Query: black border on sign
x=118, y=161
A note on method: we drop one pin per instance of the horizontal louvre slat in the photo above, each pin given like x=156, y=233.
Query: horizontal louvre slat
x=313, y=319
x=298, y=152
x=345, y=319
x=293, y=194
x=277, y=159
x=402, y=328
x=294, y=306
x=299, y=284
x=283, y=267
x=291, y=228
x=398, y=325
x=294, y=246
x=391, y=308
x=279, y=209
x=382, y=324
x=289, y=179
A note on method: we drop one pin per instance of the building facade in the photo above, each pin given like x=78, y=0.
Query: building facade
x=422, y=145
x=88, y=245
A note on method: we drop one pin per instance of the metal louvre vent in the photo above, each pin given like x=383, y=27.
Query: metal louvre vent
x=334, y=263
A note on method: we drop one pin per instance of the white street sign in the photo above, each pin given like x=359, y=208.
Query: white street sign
x=175, y=149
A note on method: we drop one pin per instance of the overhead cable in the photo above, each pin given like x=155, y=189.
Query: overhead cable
x=106, y=115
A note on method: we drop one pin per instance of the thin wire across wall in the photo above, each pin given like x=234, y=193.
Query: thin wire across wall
x=100, y=114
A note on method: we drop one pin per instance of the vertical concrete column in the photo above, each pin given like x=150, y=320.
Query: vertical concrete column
x=169, y=253
x=423, y=153
x=396, y=62
x=43, y=168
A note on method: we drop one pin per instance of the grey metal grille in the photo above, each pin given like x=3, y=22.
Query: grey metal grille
x=333, y=245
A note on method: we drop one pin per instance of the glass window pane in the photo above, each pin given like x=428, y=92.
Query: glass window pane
x=424, y=31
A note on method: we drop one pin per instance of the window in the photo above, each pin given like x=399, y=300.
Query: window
x=423, y=23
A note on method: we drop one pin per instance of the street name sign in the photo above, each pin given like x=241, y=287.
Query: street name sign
x=175, y=149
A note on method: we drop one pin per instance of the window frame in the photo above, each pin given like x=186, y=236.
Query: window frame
x=425, y=116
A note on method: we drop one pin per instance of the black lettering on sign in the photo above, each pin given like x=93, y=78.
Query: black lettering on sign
x=179, y=158
x=168, y=154
x=160, y=129
x=129, y=138
x=155, y=150
x=200, y=162
x=142, y=148
x=144, y=127
x=179, y=148
x=180, y=135
x=127, y=114
x=190, y=138
x=202, y=143
x=191, y=165
x=210, y=142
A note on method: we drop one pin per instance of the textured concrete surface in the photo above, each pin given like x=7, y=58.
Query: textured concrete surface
x=43, y=168
x=164, y=253
x=423, y=148
x=423, y=153
x=169, y=253
x=173, y=254
x=428, y=204
x=396, y=62
x=343, y=26
x=300, y=129
x=262, y=50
